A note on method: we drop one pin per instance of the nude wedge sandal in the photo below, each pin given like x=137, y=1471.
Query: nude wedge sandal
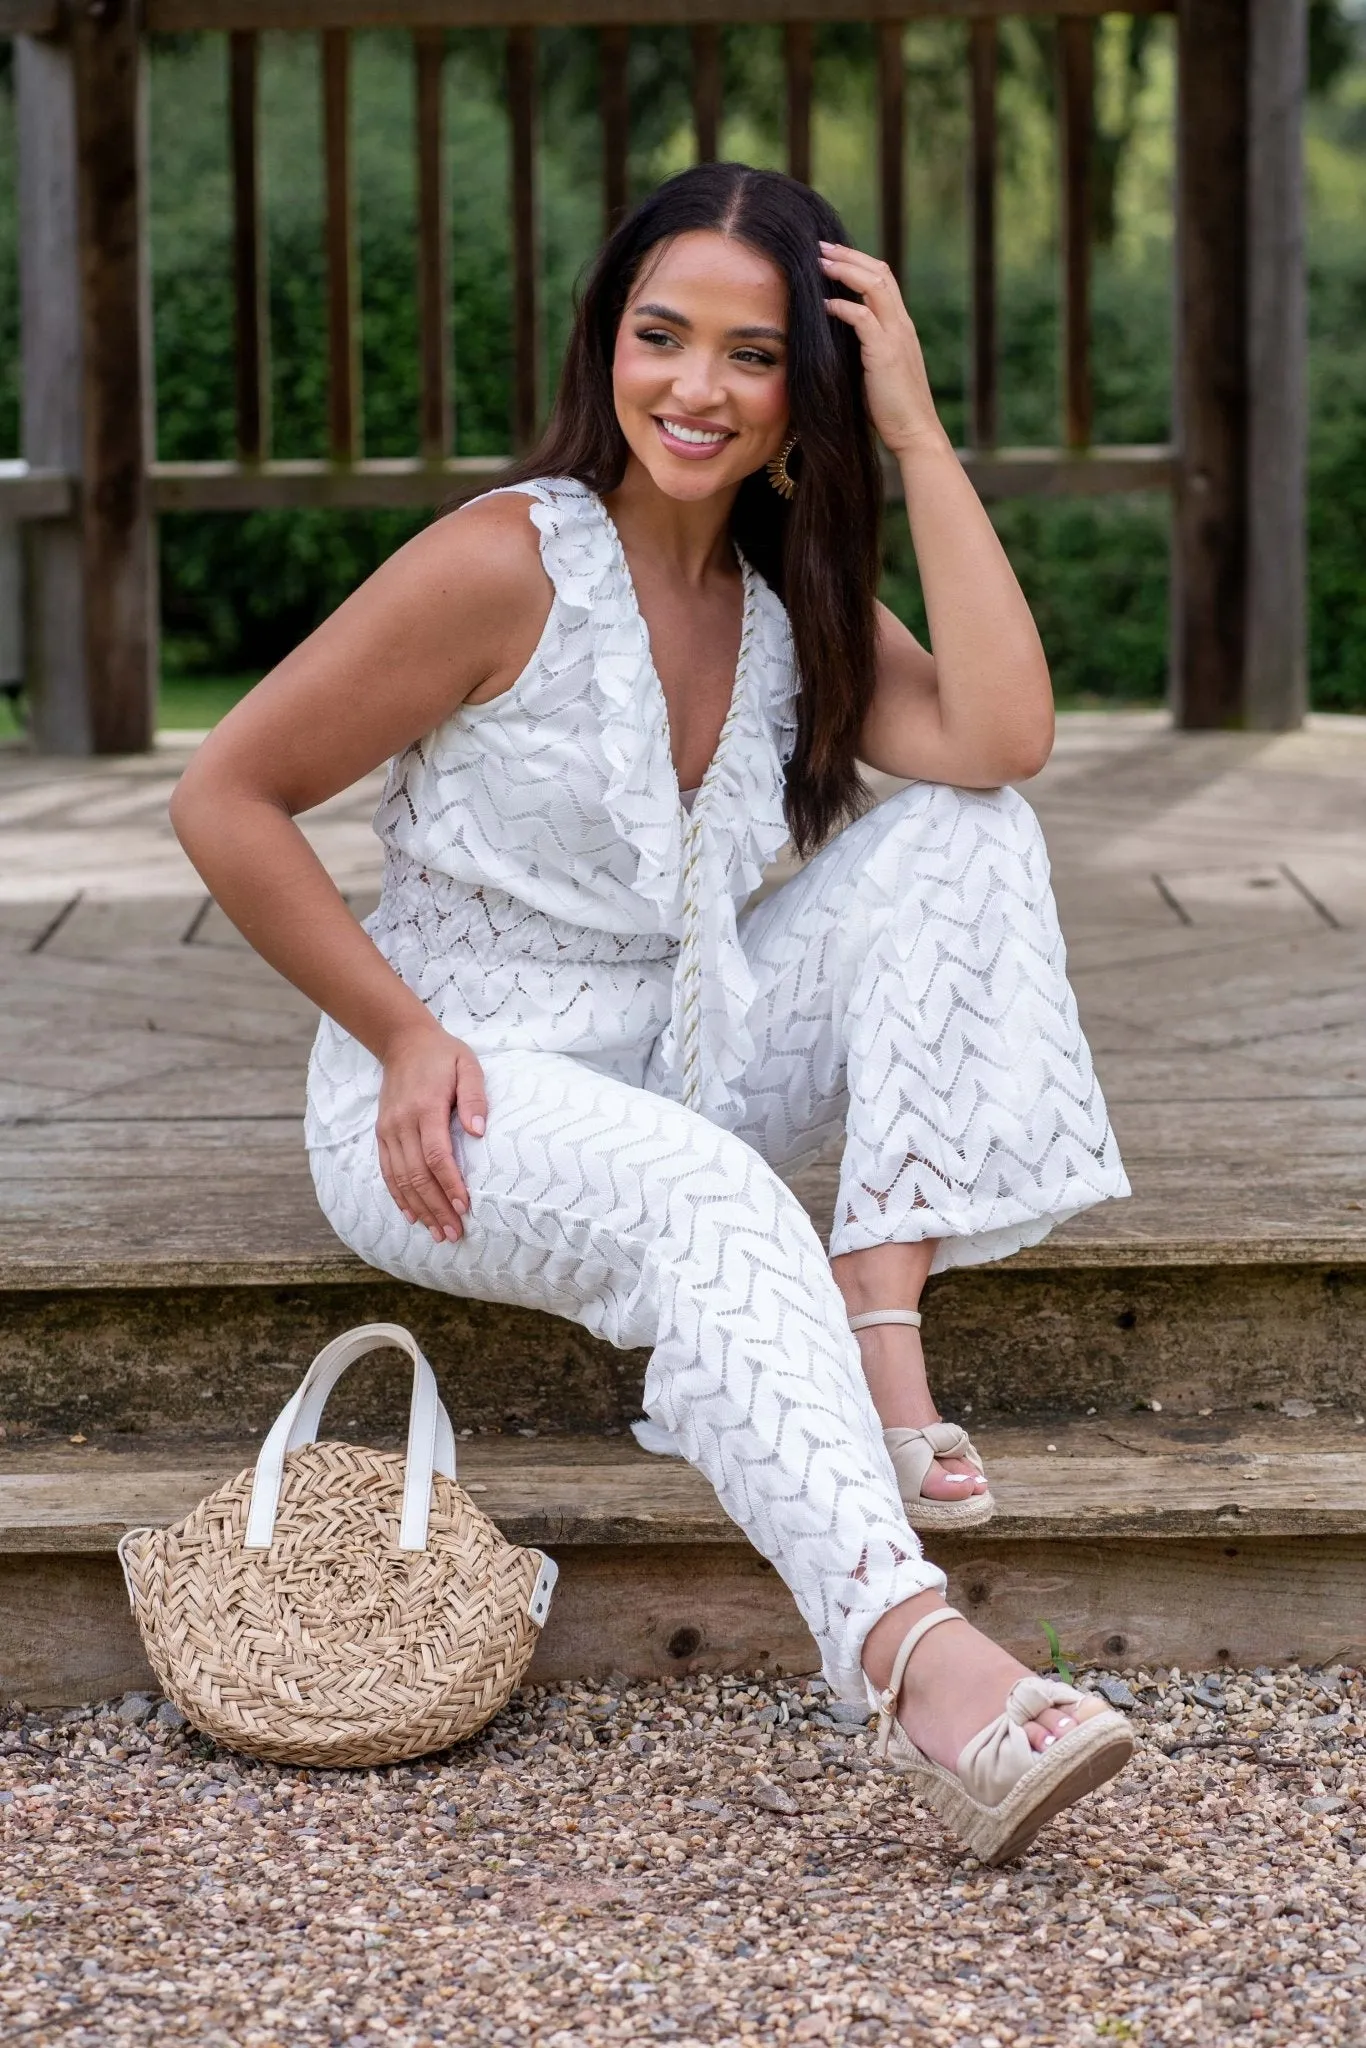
x=913, y=1451
x=1002, y=1791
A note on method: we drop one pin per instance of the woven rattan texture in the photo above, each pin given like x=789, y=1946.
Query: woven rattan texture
x=334, y=1646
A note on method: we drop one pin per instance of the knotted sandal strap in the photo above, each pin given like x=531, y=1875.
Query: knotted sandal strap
x=886, y=1700
x=999, y=1755
x=913, y=1451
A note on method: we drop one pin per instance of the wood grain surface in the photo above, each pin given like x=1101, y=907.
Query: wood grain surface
x=1212, y=887
x=1091, y=1483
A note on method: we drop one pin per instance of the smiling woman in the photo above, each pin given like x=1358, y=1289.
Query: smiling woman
x=566, y=1062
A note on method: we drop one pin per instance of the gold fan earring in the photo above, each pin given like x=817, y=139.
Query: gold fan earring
x=779, y=475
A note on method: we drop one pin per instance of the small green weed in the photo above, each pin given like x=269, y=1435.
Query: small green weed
x=1066, y=1671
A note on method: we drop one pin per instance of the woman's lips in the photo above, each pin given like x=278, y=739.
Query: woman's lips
x=690, y=450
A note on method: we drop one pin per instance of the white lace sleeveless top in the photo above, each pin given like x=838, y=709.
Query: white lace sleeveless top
x=545, y=884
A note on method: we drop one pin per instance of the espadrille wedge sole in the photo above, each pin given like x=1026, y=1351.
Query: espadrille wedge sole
x=1003, y=1791
x=940, y=1515
x=1085, y=1757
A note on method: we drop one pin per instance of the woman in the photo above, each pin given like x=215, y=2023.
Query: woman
x=556, y=1068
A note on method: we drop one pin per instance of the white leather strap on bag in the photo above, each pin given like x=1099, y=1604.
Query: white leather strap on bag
x=431, y=1440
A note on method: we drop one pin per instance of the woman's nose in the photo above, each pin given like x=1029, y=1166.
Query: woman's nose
x=698, y=386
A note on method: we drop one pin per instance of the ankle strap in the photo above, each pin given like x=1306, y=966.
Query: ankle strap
x=887, y=1700
x=909, y=1316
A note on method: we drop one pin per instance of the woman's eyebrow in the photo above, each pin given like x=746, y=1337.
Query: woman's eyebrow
x=732, y=333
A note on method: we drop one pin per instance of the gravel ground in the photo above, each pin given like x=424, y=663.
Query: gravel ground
x=699, y=1861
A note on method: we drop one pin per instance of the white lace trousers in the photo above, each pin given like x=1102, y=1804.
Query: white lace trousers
x=911, y=990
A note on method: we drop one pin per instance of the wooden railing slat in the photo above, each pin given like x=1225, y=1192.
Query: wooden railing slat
x=799, y=60
x=433, y=245
x=526, y=322
x=394, y=481
x=982, y=53
x=706, y=91
x=891, y=139
x=343, y=327
x=178, y=16
x=251, y=317
x=1076, y=105
x=614, y=45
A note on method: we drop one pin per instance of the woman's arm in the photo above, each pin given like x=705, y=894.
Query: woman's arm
x=979, y=710
x=458, y=611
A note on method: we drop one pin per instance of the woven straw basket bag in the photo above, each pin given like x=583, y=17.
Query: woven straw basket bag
x=337, y=1605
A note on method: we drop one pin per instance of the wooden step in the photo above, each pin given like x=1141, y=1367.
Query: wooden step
x=164, y=1338
x=163, y=1262
x=1142, y=1540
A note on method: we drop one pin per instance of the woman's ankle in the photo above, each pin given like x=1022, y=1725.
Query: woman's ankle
x=890, y=1630
x=894, y=1367
x=882, y=1276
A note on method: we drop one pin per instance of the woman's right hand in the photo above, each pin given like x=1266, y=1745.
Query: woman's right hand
x=428, y=1077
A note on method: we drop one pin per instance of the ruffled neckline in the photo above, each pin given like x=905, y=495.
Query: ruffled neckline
x=693, y=866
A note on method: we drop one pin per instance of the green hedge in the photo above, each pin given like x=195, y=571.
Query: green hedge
x=239, y=591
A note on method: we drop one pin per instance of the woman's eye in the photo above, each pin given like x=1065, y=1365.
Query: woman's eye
x=658, y=337
x=756, y=355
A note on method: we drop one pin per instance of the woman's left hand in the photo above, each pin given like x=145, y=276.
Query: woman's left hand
x=899, y=395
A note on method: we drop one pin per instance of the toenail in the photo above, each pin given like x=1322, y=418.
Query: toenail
x=1064, y=1720
x=1049, y=1740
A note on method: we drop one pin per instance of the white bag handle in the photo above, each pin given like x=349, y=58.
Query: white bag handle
x=431, y=1441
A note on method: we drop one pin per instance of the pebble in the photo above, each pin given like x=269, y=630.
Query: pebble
x=773, y=1798
x=1116, y=1690
x=718, y=1863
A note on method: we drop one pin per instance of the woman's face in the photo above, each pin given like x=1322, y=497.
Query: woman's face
x=700, y=370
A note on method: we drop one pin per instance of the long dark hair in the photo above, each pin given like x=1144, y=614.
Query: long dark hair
x=819, y=550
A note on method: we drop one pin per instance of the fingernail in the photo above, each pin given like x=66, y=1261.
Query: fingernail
x=436, y=1234
x=460, y=1208
x=477, y=1126
x=452, y=1235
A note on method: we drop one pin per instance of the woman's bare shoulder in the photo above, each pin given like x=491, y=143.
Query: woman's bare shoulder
x=486, y=557
x=452, y=617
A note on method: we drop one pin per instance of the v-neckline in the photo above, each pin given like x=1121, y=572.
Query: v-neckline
x=661, y=702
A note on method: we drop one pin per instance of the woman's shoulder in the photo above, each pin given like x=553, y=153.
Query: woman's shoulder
x=490, y=550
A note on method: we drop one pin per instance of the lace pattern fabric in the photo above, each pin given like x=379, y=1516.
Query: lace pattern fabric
x=905, y=992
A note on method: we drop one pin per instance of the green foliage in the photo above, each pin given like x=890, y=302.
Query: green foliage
x=238, y=592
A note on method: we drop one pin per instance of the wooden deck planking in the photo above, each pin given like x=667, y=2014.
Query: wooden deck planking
x=151, y=1068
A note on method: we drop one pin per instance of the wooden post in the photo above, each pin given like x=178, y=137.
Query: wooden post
x=526, y=314
x=614, y=46
x=251, y=314
x=982, y=56
x=799, y=65
x=1076, y=152
x=891, y=137
x=91, y=601
x=344, y=417
x=706, y=92
x=1276, y=686
x=433, y=247
x=1238, y=526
